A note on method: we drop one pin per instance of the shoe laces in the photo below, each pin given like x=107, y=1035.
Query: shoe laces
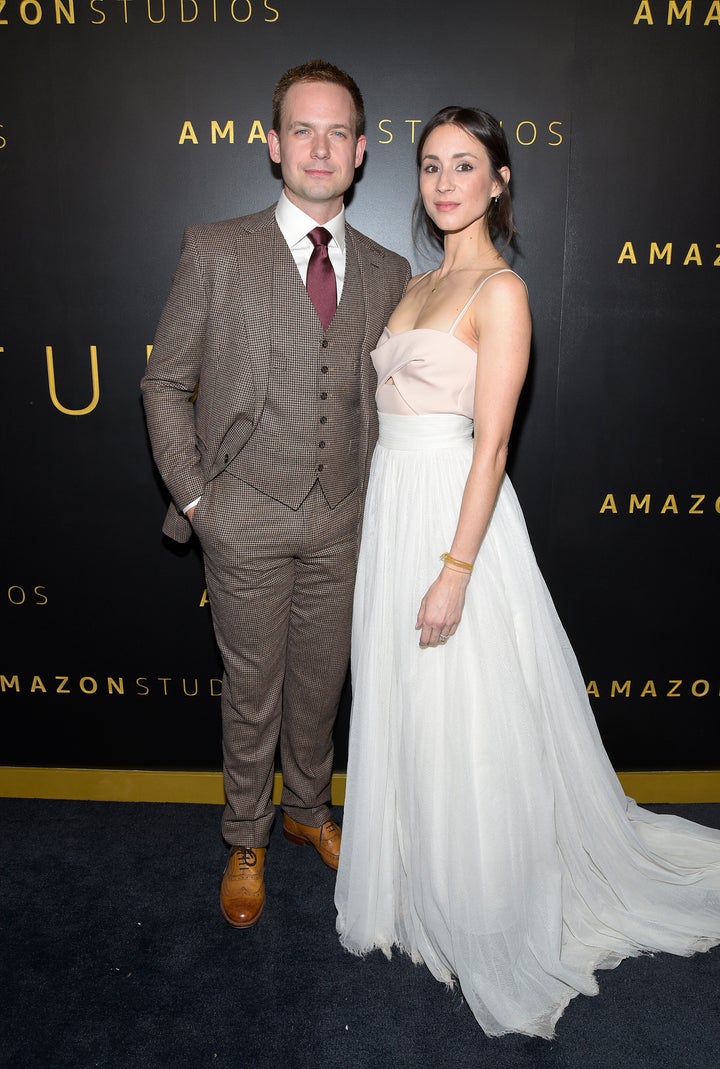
x=247, y=856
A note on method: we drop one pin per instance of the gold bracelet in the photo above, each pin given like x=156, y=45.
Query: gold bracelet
x=462, y=564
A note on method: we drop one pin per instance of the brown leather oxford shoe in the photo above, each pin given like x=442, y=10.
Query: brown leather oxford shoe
x=325, y=839
x=242, y=891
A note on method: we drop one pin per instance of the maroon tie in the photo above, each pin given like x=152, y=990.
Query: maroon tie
x=321, y=284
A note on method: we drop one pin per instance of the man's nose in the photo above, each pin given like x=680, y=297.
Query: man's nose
x=321, y=146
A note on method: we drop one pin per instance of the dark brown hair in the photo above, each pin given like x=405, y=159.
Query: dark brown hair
x=488, y=131
x=317, y=70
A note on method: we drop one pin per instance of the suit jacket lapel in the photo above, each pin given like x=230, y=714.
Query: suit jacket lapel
x=257, y=255
x=372, y=309
x=371, y=279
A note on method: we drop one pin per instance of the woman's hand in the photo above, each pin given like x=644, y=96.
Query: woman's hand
x=442, y=607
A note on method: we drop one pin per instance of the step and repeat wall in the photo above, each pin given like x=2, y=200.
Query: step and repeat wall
x=123, y=120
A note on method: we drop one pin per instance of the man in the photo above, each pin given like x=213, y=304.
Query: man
x=268, y=460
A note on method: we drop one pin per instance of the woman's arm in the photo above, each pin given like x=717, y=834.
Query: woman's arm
x=500, y=322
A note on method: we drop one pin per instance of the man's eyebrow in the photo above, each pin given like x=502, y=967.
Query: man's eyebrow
x=333, y=125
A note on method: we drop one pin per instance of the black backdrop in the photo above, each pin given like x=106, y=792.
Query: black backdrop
x=123, y=120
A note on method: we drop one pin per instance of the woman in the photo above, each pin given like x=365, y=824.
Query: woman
x=485, y=831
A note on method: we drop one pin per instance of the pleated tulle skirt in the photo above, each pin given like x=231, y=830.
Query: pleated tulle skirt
x=485, y=832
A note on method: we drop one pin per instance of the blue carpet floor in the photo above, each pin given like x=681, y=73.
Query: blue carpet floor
x=113, y=954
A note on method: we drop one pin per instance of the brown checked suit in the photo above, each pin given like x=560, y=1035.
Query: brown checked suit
x=270, y=420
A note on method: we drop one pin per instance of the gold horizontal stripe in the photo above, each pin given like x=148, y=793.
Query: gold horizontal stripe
x=121, y=785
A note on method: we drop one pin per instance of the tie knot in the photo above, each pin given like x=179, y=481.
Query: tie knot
x=320, y=236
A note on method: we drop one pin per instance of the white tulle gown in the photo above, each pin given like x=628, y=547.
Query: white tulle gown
x=485, y=832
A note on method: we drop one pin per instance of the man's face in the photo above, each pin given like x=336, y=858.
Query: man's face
x=316, y=147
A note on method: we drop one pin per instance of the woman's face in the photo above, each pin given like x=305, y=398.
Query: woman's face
x=456, y=184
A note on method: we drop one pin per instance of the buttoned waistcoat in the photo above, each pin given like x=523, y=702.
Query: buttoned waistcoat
x=234, y=302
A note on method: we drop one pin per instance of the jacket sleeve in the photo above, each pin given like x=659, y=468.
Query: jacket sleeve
x=170, y=382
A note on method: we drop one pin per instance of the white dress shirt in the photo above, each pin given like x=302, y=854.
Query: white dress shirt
x=295, y=225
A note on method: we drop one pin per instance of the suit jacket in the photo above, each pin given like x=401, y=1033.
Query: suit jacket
x=206, y=381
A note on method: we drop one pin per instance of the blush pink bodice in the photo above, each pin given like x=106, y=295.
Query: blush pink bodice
x=432, y=371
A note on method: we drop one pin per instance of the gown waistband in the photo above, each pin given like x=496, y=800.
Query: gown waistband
x=440, y=430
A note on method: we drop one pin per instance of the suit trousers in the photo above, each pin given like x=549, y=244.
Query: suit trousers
x=280, y=585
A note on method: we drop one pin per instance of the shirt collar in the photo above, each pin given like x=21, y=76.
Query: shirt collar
x=295, y=224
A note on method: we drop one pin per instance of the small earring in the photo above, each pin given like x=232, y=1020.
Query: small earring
x=497, y=198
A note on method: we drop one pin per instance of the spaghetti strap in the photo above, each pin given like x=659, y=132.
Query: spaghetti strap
x=473, y=295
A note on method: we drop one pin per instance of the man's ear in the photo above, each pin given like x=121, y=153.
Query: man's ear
x=360, y=149
x=274, y=146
